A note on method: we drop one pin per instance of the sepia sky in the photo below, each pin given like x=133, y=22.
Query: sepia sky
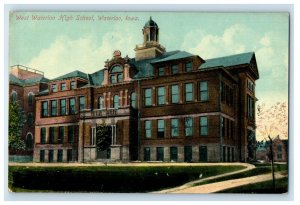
x=56, y=46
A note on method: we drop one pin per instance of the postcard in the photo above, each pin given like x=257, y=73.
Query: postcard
x=148, y=102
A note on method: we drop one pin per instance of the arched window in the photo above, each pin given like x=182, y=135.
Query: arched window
x=116, y=69
x=14, y=96
x=29, y=141
x=100, y=103
x=30, y=99
x=120, y=78
x=116, y=74
x=116, y=101
x=132, y=99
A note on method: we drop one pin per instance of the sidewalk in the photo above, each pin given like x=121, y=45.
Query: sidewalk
x=190, y=184
x=219, y=186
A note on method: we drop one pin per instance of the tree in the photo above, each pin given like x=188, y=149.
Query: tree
x=17, y=120
x=251, y=146
x=103, y=137
x=272, y=120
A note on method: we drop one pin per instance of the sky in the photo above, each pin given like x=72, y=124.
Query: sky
x=66, y=44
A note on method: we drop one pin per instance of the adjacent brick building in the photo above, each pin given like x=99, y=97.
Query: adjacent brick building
x=160, y=106
x=24, y=84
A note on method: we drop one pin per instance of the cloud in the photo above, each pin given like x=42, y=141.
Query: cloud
x=211, y=46
x=66, y=55
x=270, y=51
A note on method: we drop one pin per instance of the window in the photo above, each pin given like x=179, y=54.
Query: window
x=50, y=155
x=72, y=108
x=59, y=155
x=112, y=79
x=73, y=85
x=189, y=92
x=30, y=99
x=188, y=155
x=44, y=108
x=222, y=92
x=188, y=67
x=174, y=69
x=116, y=101
x=174, y=127
x=93, y=136
x=161, y=95
x=203, y=126
x=120, y=78
x=69, y=155
x=63, y=86
x=173, y=154
x=175, y=94
x=53, y=88
x=61, y=134
x=250, y=85
x=160, y=154
x=100, y=103
x=148, y=128
x=81, y=103
x=29, y=141
x=53, y=108
x=43, y=135
x=147, y=154
x=203, y=153
x=63, y=107
x=223, y=126
x=161, y=71
x=70, y=133
x=188, y=122
x=132, y=99
x=250, y=107
x=148, y=97
x=228, y=154
x=42, y=155
x=116, y=69
x=30, y=119
x=160, y=128
x=52, y=135
x=203, y=91
x=14, y=96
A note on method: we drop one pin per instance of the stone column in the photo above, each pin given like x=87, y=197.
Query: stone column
x=195, y=152
x=121, y=99
x=104, y=101
x=126, y=98
x=80, y=143
x=180, y=153
x=109, y=100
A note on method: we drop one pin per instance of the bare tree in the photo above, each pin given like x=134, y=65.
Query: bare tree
x=272, y=121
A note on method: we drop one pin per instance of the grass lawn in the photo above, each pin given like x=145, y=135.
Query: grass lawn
x=260, y=169
x=127, y=179
x=281, y=186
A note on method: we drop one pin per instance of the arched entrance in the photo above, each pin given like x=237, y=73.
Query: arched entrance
x=103, y=141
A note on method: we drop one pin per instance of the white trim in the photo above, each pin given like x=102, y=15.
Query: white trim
x=30, y=93
x=28, y=134
x=57, y=125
